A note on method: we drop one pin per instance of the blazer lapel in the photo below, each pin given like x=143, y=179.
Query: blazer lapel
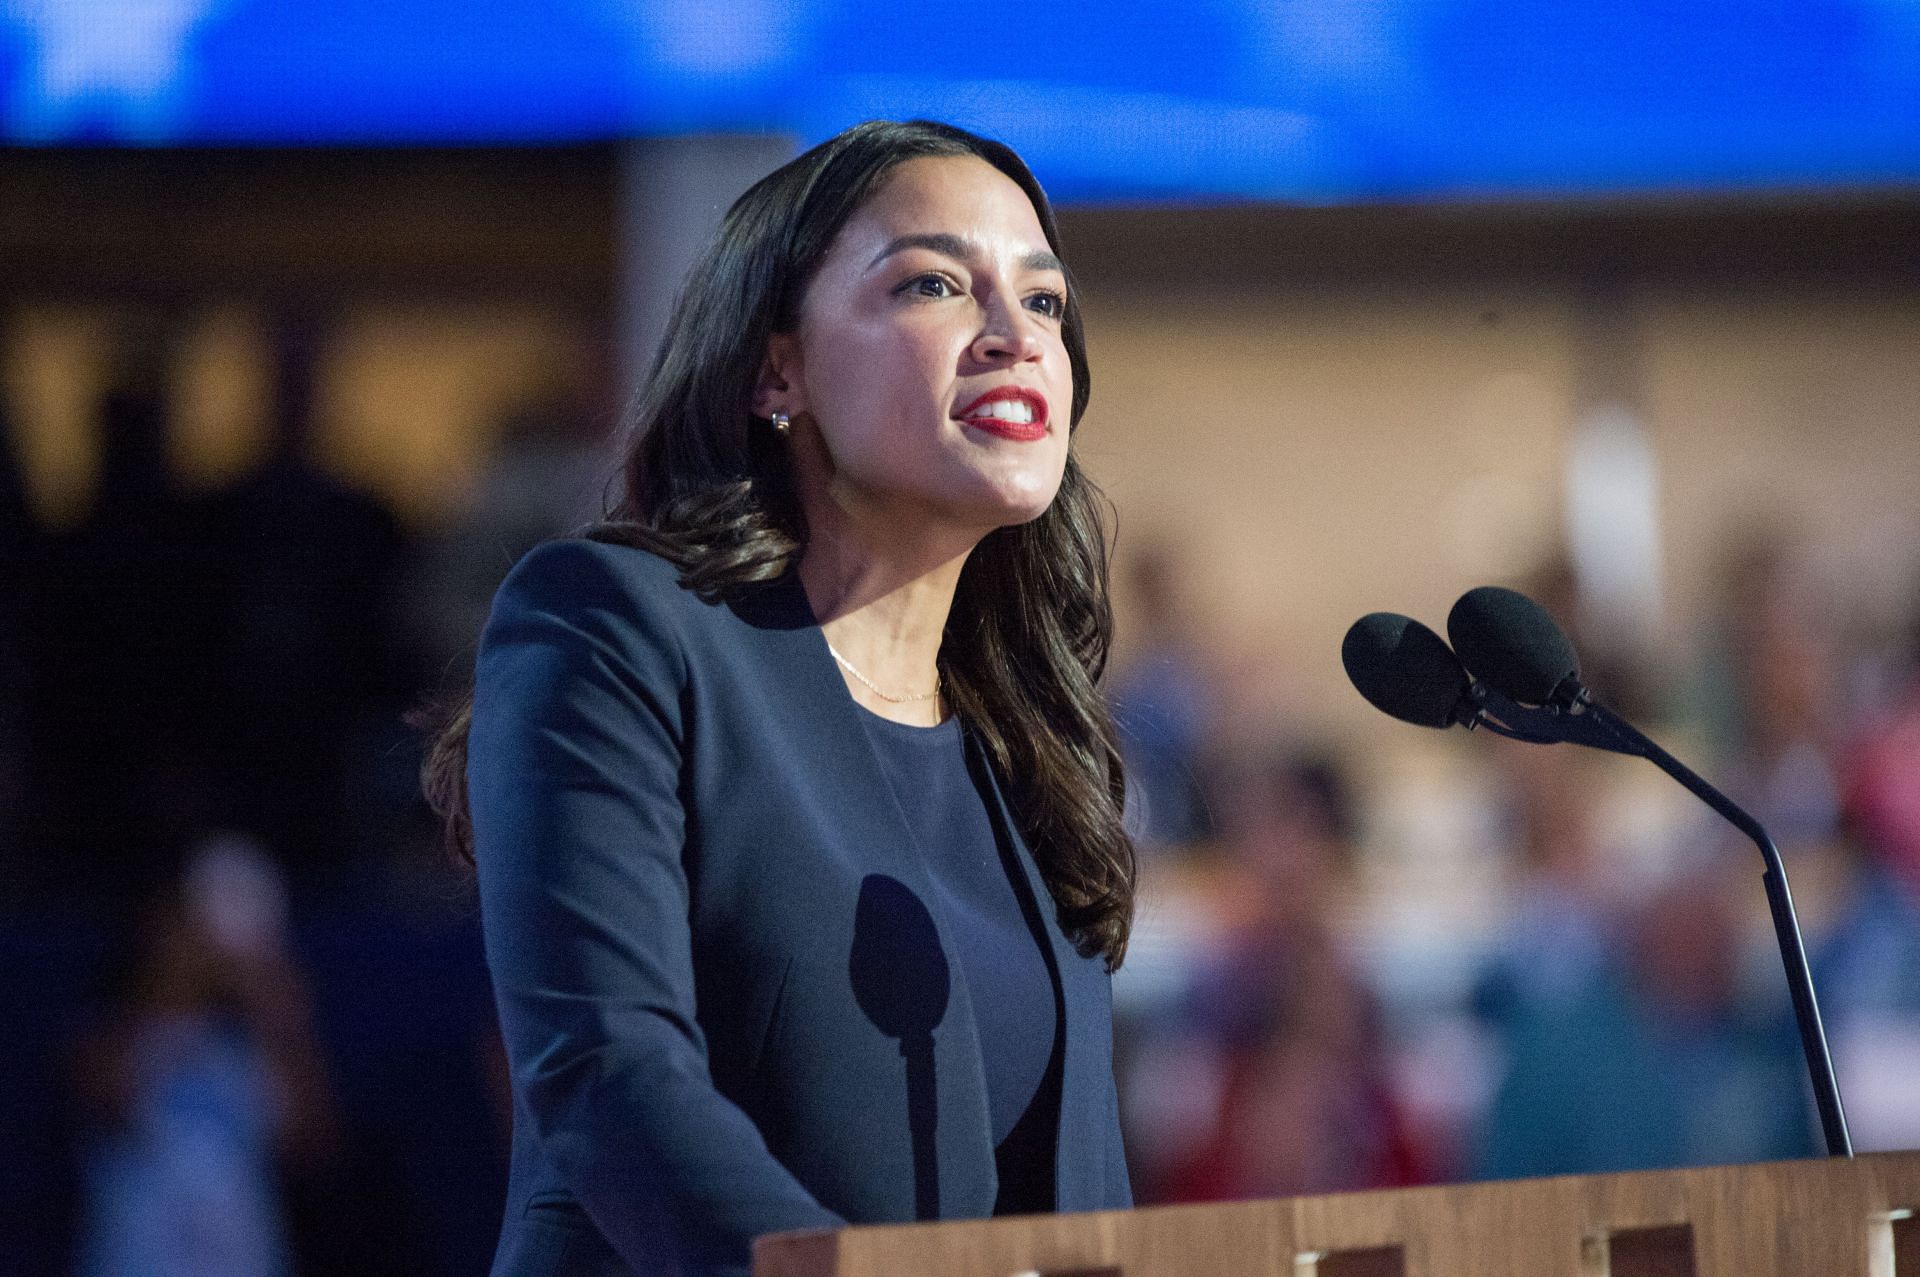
x=1079, y=1159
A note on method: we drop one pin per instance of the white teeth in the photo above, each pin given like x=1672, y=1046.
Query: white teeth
x=1006, y=410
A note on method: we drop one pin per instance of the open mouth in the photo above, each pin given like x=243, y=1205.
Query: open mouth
x=1012, y=412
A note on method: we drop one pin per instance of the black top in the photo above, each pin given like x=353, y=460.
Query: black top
x=985, y=907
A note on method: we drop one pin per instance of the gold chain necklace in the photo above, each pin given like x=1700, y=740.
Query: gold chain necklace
x=847, y=665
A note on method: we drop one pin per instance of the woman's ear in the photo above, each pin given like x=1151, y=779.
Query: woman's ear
x=777, y=389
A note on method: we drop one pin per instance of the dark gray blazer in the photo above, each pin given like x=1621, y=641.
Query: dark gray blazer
x=727, y=1008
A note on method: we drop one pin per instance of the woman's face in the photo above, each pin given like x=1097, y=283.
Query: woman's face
x=927, y=378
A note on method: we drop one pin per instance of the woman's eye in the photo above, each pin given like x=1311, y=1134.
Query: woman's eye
x=1052, y=305
x=929, y=286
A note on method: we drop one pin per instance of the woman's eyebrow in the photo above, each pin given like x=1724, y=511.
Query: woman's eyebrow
x=963, y=249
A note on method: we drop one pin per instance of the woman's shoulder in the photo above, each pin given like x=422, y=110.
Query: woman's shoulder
x=608, y=592
x=588, y=567
x=610, y=587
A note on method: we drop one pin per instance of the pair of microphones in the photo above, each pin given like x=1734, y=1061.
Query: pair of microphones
x=1512, y=671
x=1525, y=676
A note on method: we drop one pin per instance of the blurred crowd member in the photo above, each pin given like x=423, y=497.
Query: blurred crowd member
x=19, y=537
x=311, y=677
x=1882, y=778
x=1770, y=688
x=1866, y=962
x=1657, y=1061
x=203, y=1083
x=120, y=657
x=1163, y=707
x=1284, y=1041
x=1865, y=959
x=1559, y=928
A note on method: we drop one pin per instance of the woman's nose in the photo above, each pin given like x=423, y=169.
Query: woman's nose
x=1008, y=333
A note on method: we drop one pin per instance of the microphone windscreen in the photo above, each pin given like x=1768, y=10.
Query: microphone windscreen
x=1511, y=644
x=1403, y=669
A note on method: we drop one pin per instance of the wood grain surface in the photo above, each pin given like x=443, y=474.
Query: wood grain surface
x=1823, y=1218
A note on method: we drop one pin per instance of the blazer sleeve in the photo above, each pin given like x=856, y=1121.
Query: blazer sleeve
x=1119, y=1184
x=1118, y=1181
x=574, y=783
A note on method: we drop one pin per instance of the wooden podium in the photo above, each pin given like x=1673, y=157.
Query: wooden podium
x=1829, y=1218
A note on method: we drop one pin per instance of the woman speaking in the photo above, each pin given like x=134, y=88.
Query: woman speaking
x=794, y=807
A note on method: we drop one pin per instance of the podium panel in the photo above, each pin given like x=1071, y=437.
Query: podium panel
x=1824, y=1218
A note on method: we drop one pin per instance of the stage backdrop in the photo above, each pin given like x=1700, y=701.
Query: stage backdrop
x=1319, y=101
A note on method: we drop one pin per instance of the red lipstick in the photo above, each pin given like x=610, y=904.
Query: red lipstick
x=1024, y=431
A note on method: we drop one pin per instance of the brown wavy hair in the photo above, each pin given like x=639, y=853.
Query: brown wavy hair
x=707, y=486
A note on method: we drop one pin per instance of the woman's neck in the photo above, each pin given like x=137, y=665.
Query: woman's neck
x=884, y=610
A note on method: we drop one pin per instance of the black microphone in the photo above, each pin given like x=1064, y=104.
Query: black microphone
x=1511, y=643
x=1527, y=684
x=1406, y=670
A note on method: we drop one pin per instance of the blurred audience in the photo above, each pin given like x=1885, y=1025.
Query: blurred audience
x=220, y=676
x=1867, y=960
x=302, y=571
x=19, y=543
x=120, y=662
x=1882, y=777
x=1279, y=1034
x=203, y=1084
x=1827, y=777
x=1655, y=1058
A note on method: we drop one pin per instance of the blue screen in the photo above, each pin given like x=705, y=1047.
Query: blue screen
x=1315, y=101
